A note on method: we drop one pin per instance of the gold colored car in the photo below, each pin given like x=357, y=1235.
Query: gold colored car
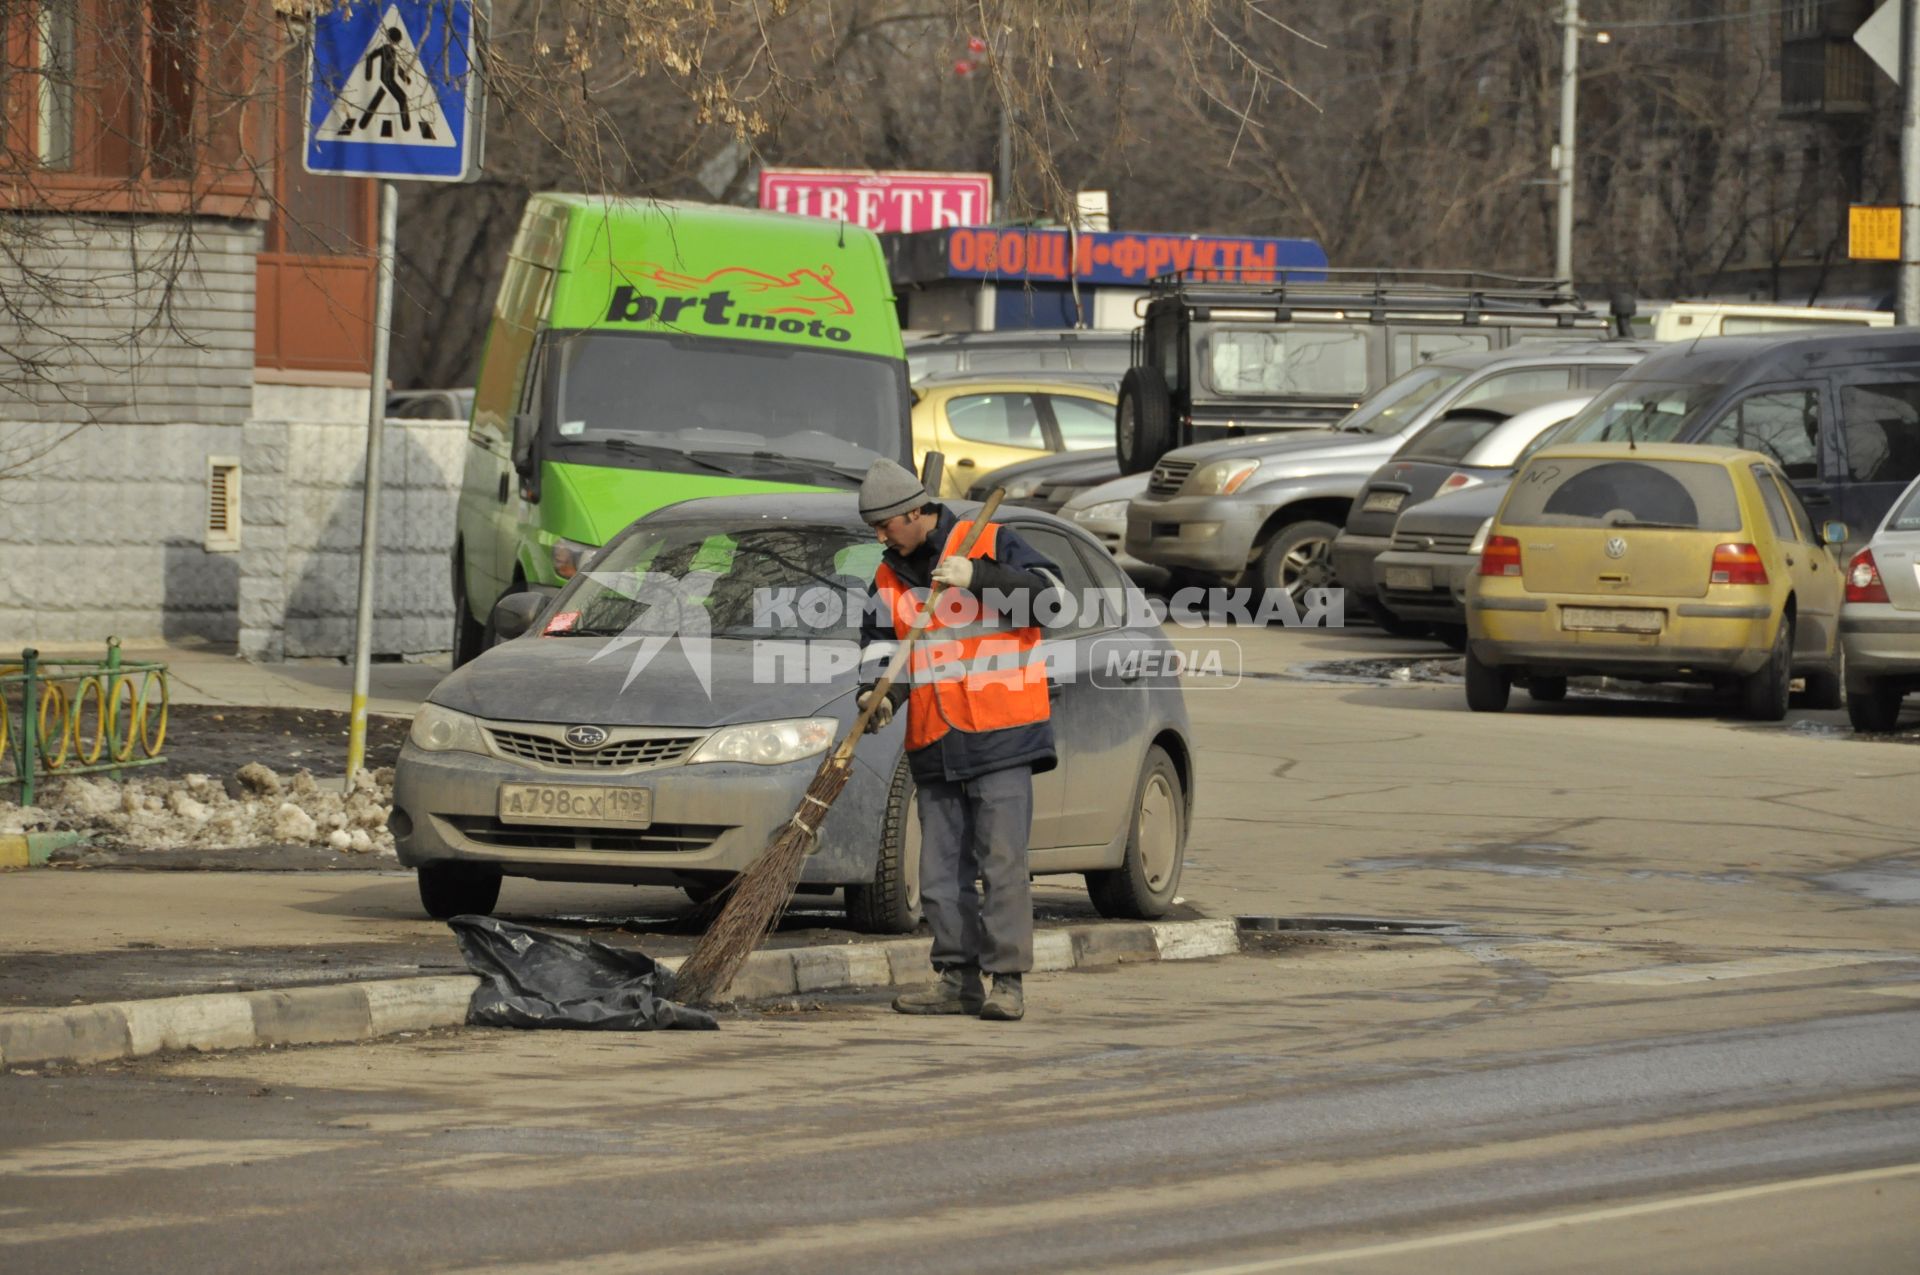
x=1656, y=562
x=983, y=424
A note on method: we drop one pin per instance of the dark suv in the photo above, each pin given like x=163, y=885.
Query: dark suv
x=1838, y=412
x=1219, y=357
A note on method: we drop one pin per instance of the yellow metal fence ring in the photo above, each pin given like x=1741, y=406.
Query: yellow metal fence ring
x=124, y=738
x=51, y=694
x=97, y=685
x=150, y=742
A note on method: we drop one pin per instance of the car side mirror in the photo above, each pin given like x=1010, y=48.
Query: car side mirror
x=526, y=426
x=1833, y=532
x=514, y=614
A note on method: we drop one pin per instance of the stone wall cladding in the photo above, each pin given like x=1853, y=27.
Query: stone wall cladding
x=301, y=574
x=141, y=321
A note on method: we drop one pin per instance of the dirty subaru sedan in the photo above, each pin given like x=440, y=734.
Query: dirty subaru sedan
x=662, y=715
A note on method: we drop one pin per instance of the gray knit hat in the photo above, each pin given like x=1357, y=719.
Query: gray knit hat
x=889, y=490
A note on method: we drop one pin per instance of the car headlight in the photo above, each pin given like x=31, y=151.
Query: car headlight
x=441, y=730
x=1222, y=478
x=768, y=743
x=570, y=557
x=1479, y=544
x=1105, y=511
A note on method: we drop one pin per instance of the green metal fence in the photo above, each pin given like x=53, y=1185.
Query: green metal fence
x=76, y=717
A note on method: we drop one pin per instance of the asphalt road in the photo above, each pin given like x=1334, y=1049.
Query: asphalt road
x=1675, y=1026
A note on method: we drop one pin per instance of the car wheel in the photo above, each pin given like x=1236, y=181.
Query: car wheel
x=1143, y=886
x=469, y=635
x=1766, y=692
x=890, y=902
x=448, y=890
x=1143, y=420
x=1487, y=687
x=1546, y=690
x=1875, y=706
x=1298, y=558
x=1454, y=635
x=1826, y=688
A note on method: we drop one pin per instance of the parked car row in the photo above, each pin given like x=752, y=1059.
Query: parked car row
x=1783, y=450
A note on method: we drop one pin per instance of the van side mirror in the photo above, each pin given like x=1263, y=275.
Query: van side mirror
x=526, y=426
x=1833, y=532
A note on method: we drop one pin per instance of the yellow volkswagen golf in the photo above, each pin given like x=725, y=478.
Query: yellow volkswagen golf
x=985, y=423
x=1658, y=562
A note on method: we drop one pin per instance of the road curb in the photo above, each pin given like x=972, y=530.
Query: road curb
x=341, y=1012
x=30, y=849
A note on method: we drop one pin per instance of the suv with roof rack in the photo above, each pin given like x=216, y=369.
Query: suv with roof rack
x=1228, y=353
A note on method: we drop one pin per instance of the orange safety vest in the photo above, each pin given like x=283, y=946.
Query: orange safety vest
x=970, y=671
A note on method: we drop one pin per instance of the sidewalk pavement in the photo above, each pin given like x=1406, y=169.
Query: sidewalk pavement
x=212, y=673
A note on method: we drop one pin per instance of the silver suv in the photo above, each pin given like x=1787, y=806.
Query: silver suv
x=1264, y=511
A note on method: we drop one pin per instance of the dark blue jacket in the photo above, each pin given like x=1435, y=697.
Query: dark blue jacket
x=1014, y=571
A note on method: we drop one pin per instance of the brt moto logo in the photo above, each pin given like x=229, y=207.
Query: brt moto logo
x=808, y=293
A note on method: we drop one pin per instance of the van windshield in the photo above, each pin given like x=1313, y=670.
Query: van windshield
x=746, y=406
x=1640, y=412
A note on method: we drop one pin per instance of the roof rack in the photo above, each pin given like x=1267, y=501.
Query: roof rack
x=1383, y=288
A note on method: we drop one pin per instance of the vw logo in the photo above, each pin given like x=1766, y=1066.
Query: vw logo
x=1427, y=541
x=1616, y=547
x=586, y=736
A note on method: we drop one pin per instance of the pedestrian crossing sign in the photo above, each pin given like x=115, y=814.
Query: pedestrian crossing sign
x=394, y=91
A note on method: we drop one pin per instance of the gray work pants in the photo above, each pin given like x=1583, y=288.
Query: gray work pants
x=972, y=830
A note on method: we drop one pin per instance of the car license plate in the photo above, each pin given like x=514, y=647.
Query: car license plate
x=1415, y=579
x=1612, y=619
x=575, y=804
x=1383, y=502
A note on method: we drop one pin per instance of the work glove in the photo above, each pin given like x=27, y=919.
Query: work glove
x=882, y=716
x=954, y=572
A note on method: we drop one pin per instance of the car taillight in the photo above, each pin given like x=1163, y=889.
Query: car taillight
x=1501, y=557
x=1737, y=564
x=1863, y=579
x=1459, y=482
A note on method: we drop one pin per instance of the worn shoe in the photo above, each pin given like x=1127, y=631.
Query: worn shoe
x=958, y=992
x=1006, y=1004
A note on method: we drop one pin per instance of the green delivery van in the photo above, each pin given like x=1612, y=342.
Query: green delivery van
x=644, y=352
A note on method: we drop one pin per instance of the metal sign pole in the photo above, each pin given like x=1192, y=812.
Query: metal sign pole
x=370, y=502
x=1907, y=283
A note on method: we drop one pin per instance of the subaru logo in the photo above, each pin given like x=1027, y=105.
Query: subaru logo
x=1616, y=547
x=586, y=736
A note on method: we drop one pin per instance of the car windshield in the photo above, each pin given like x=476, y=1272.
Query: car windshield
x=725, y=580
x=1585, y=492
x=1450, y=438
x=1388, y=411
x=1263, y=362
x=740, y=404
x=1640, y=412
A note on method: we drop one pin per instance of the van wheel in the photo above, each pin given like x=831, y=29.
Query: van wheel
x=890, y=902
x=469, y=635
x=1875, y=707
x=1826, y=688
x=1766, y=692
x=448, y=890
x=1488, y=688
x=1298, y=558
x=1546, y=690
x=1143, y=420
x=1142, y=887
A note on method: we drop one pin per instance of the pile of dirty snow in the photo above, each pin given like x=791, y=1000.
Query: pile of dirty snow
x=255, y=807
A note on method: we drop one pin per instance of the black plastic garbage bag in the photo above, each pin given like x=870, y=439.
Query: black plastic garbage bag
x=530, y=978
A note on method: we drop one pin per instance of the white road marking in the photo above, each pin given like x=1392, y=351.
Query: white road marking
x=1752, y=967
x=1909, y=990
x=1455, y=1238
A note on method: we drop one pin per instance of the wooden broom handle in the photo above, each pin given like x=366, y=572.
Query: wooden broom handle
x=844, y=753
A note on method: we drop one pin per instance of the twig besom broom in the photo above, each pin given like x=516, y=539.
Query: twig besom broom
x=759, y=895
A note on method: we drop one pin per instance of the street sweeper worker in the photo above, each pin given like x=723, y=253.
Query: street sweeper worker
x=978, y=730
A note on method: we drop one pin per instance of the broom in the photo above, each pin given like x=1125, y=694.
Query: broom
x=759, y=895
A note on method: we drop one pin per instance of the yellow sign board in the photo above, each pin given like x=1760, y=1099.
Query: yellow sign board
x=1873, y=232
